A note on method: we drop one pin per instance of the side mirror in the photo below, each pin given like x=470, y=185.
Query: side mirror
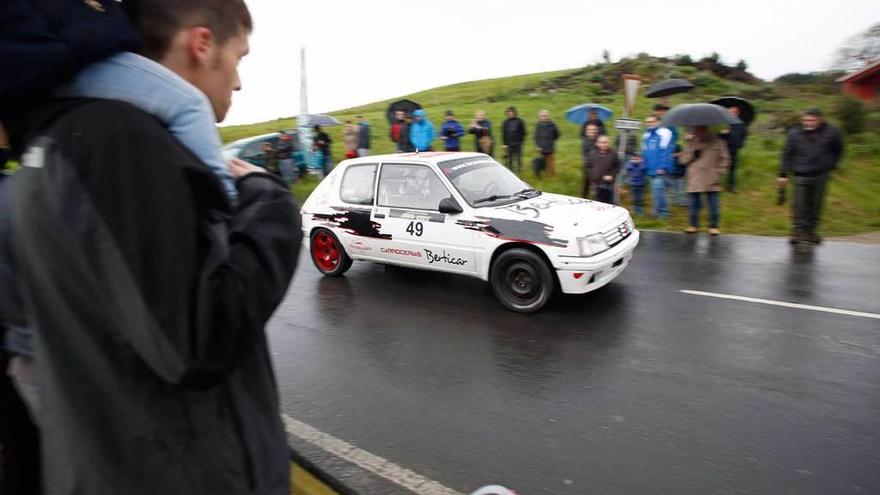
x=449, y=205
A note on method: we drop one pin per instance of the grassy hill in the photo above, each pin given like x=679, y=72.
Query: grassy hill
x=853, y=204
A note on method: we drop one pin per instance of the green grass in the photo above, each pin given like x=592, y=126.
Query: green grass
x=853, y=203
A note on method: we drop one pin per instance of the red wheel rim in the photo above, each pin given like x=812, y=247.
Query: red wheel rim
x=325, y=251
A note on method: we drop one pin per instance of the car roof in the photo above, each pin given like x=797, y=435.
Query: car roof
x=248, y=140
x=428, y=157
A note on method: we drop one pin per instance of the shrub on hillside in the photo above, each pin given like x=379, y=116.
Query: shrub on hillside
x=851, y=113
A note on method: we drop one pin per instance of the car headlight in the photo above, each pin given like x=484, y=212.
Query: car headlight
x=592, y=244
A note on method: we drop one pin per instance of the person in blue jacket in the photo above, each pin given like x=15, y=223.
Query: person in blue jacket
x=657, y=148
x=635, y=178
x=450, y=132
x=421, y=132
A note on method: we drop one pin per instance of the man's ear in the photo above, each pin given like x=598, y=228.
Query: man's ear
x=200, y=45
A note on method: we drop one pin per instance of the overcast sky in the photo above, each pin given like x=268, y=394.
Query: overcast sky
x=362, y=51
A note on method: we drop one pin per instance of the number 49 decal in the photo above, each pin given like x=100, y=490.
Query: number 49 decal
x=415, y=228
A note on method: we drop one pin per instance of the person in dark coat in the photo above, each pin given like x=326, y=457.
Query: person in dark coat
x=588, y=144
x=322, y=139
x=593, y=119
x=404, y=145
x=604, y=165
x=546, y=134
x=147, y=289
x=735, y=138
x=811, y=152
x=481, y=128
x=363, y=141
x=513, y=132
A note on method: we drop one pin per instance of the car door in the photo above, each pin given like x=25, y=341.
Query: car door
x=407, y=207
x=359, y=235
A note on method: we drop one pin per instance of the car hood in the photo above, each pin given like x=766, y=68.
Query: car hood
x=565, y=216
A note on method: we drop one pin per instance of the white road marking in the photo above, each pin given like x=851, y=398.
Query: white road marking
x=784, y=304
x=377, y=465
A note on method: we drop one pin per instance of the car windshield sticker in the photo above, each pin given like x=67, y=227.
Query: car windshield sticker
x=515, y=230
x=424, y=216
x=532, y=209
x=355, y=221
x=454, y=168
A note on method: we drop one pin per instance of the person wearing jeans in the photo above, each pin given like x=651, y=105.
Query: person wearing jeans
x=706, y=158
x=657, y=157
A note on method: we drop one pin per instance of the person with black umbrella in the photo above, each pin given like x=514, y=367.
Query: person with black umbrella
x=811, y=152
x=705, y=157
x=735, y=137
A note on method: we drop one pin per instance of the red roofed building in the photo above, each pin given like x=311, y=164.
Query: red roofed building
x=864, y=83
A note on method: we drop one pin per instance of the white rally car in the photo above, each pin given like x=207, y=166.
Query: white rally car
x=465, y=213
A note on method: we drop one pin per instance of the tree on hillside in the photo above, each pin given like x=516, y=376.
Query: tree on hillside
x=859, y=50
x=606, y=56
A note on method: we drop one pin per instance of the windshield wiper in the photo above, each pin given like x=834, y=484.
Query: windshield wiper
x=528, y=192
x=493, y=197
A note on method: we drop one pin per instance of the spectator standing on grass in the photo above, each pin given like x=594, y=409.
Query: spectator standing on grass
x=588, y=144
x=481, y=128
x=735, y=137
x=153, y=366
x=404, y=145
x=269, y=159
x=604, y=164
x=399, y=120
x=284, y=153
x=657, y=157
x=451, y=132
x=421, y=132
x=513, y=134
x=635, y=178
x=350, y=139
x=811, y=152
x=322, y=139
x=364, y=136
x=546, y=134
x=677, y=195
x=706, y=159
x=593, y=119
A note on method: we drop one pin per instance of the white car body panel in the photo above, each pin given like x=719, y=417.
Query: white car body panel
x=464, y=243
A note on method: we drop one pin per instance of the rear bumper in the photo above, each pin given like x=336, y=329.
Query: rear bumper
x=581, y=275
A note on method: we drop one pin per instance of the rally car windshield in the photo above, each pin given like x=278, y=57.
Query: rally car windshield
x=483, y=181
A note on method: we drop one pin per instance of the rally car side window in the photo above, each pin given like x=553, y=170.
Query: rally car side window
x=410, y=186
x=357, y=184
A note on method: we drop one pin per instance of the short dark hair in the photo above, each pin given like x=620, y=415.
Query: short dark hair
x=814, y=112
x=158, y=21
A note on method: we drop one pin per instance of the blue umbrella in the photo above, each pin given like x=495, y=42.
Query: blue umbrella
x=578, y=114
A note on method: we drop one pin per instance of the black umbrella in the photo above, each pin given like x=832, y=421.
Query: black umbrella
x=692, y=114
x=406, y=106
x=669, y=87
x=746, y=110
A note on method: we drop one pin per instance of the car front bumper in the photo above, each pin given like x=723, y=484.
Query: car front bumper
x=579, y=275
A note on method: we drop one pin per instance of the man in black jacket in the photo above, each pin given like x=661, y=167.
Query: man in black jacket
x=513, y=135
x=735, y=138
x=811, y=152
x=546, y=134
x=147, y=289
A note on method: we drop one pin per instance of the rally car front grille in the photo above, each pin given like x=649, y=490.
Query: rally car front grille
x=616, y=235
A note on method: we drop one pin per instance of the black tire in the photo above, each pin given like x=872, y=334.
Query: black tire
x=328, y=254
x=521, y=280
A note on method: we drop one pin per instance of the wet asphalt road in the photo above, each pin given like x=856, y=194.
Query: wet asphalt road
x=636, y=388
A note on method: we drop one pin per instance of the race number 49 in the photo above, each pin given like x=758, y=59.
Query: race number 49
x=415, y=228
